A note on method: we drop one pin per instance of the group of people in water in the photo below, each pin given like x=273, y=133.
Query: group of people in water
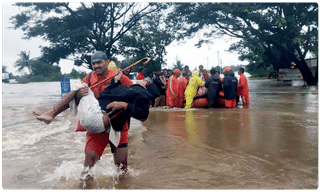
x=199, y=89
x=107, y=99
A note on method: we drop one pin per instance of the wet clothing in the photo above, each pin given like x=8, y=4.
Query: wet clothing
x=243, y=89
x=98, y=141
x=214, y=86
x=230, y=86
x=140, y=76
x=182, y=85
x=94, y=79
x=191, y=90
x=230, y=83
x=137, y=97
x=172, y=91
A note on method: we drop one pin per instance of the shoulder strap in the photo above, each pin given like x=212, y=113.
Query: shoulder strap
x=89, y=77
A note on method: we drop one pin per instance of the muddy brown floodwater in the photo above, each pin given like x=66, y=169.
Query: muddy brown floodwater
x=273, y=144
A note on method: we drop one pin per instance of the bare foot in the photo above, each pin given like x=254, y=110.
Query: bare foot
x=47, y=117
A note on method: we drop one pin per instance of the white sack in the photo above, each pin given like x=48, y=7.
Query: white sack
x=90, y=114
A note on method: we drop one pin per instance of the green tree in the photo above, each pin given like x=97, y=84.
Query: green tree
x=269, y=33
x=79, y=30
x=4, y=69
x=149, y=38
x=76, y=74
x=24, y=61
x=43, y=71
x=178, y=65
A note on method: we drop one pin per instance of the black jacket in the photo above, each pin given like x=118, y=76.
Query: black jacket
x=230, y=83
x=137, y=97
x=214, y=86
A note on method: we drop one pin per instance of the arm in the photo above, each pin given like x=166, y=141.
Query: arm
x=138, y=107
x=201, y=82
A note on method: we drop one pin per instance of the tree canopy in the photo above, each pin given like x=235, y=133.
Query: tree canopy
x=150, y=38
x=79, y=30
x=269, y=33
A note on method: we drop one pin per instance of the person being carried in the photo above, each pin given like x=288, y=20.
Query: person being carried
x=96, y=142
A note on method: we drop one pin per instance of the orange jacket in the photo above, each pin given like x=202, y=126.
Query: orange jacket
x=172, y=88
x=243, y=88
x=140, y=76
x=94, y=79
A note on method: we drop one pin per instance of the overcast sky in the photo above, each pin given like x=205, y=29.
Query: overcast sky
x=207, y=55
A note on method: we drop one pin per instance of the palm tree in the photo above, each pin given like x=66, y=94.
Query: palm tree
x=24, y=61
x=178, y=65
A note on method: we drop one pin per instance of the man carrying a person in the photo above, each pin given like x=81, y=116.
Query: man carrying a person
x=97, y=141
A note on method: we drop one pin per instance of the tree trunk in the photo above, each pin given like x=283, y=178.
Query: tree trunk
x=305, y=71
x=316, y=75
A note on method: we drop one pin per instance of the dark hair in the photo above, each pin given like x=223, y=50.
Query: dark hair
x=212, y=71
x=100, y=55
x=241, y=69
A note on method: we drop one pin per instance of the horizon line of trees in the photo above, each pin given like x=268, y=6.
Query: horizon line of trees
x=271, y=35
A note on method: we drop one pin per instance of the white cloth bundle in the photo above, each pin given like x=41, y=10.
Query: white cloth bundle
x=91, y=116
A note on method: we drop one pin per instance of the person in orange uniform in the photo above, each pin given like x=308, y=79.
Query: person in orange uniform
x=140, y=75
x=97, y=142
x=183, y=82
x=173, y=89
x=243, y=88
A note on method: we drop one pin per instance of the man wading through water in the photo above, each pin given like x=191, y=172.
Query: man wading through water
x=96, y=142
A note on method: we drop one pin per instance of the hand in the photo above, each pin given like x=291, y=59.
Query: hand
x=83, y=91
x=116, y=105
x=118, y=76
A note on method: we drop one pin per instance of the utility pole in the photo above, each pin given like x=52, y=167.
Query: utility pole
x=219, y=62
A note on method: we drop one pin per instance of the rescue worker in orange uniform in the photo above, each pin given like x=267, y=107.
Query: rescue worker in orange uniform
x=173, y=89
x=243, y=88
